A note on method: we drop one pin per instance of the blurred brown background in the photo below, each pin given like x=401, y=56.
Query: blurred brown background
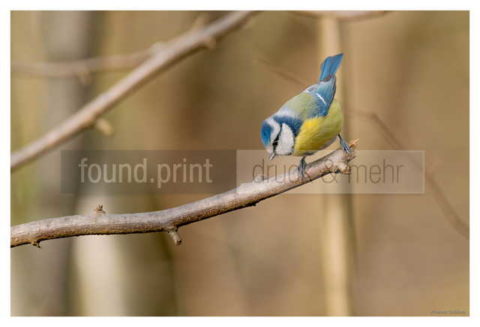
x=405, y=79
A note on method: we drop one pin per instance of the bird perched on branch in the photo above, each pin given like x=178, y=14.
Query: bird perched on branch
x=308, y=122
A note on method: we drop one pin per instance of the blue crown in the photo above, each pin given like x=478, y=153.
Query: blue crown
x=265, y=133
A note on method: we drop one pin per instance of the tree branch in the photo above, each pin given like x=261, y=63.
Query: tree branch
x=83, y=67
x=343, y=15
x=169, y=220
x=166, y=56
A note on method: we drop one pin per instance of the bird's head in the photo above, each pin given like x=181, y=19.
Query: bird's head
x=277, y=137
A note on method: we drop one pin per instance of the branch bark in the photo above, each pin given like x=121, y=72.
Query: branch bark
x=169, y=220
x=168, y=55
x=343, y=15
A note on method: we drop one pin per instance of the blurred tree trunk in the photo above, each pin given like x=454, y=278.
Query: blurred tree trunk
x=133, y=274
x=66, y=36
x=336, y=218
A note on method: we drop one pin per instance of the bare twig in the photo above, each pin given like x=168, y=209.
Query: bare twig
x=83, y=67
x=168, y=55
x=282, y=73
x=343, y=15
x=452, y=216
x=170, y=220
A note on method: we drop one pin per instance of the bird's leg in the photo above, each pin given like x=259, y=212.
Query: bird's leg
x=302, y=166
x=344, y=144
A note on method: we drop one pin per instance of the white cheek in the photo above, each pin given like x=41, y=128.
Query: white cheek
x=286, y=141
x=273, y=135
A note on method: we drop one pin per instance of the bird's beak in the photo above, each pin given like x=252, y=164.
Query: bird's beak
x=272, y=155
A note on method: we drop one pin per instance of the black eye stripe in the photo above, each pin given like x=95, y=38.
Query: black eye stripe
x=275, y=142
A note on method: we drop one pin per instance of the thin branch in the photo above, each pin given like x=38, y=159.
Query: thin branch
x=343, y=15
x=83, y=67
x=282, y=73
x=439, y=195
x=169, y=220
x=166, y=56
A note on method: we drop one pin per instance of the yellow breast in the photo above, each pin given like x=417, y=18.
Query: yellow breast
x=317, y=133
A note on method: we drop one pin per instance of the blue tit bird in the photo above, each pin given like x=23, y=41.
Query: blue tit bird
x=308, y=122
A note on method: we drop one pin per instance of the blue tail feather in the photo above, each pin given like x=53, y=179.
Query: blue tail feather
x=330, y=66
x=325, y=88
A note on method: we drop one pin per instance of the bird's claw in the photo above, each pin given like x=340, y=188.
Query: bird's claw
x=344, y=145
x=302, y=167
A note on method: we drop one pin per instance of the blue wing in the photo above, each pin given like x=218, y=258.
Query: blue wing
x=324, y=90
